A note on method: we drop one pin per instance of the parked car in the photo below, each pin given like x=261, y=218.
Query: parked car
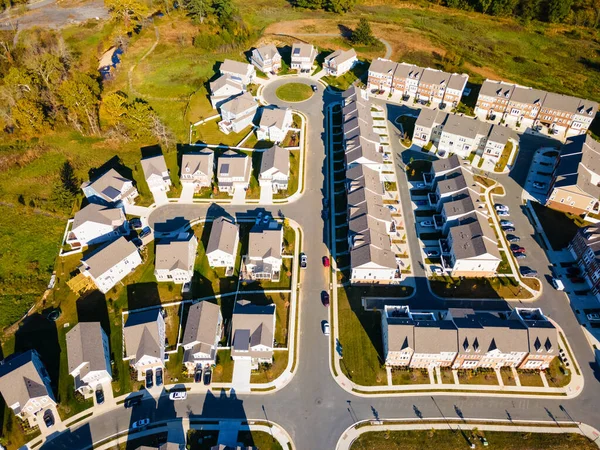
x=538, y=185
x=509, y=229
x=326, y=329
x=500, y=207
x=303, y=260
x=149, y=378
x=392, y=208
x=140, y=423
x=432, y=253
x=507, y=223
x=135, y=223
x=325, y=261
x=198, y=375
x=517, y=248
x=49, y=418
x=135, y=401
x=314, y=87
x=325, y=298
x=512, y=238
x=207, y=376
x=520, y=255
x=593, y=317
x=503, y=214
x=528, y=272
x=159, y=377
x=558, y=284
x=178, y=395
x=427, y=223
x=145, y=232
x=99, y=395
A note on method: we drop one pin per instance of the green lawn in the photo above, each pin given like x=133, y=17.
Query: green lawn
x=410, y=376
x=557, y=374
x=294, y=176
x=223, y=372
x=530, y=378
x=447, y=376
x=507, y=377
x=209, y=133
x=344, y=81
x=500, y=287
x=258, y=439
x=294, y=92
x=487, y=377
x=267, y=373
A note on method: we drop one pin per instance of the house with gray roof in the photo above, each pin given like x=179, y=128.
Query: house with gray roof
x=275, y=168
x=432, y=86
x=339, y=62
x=435, y=343
x=110, y=188
x=222, y=248
x=233, y=171
x=201, y=336
x=266, y=58
x=88, y=354
x=454, y=89
x=429, y=126
x=144, y=337
x=223, y=89
x=274, y=124
x=361, y=176
x=241, y=72
x=237, y=114
x=175, y=258
x=493, y=100
x=198, y=169
x=542, y=338
x=25, y=386
x=585, y=248
x=381, y=75
x=95, y=224
x=156, y=173
x=303, y=57
x=111, y=263
x=397, y=333
x=253, y=333
x=499, y=138
x=463, y=135
x=524, y=106
x=441, y=168
x=406, y=80
x=264, y=258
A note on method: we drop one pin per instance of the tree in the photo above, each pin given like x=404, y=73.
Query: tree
x=130, y=12
x=80, y=97
x=363, y=34
x=339, y=6
x=61, y=198
x=309, y=4
x=558, y=10
x=114, y=107
x=225, y=10
x=28, y=116
x=139, y=119
x=69, y=181
x=198, y=9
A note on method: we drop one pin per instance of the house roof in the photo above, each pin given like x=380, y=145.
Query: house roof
x=404, y=70
x=84, y=345
x=225, y=80
x=341, y=56
x=363, y=176
x=579, y=156
x=240, y=104
x=528, y=96
x=458, y=81
x=301, y=50
x=108, y=185
x=435, y=336
x=232, y=164
x=252, y=325
x=400, y=334
x=265, y=242
x=474, y=237
x=224, y=235
x=154, y=165
x=276, y=157
x=370, y=254
x=433, y=76
x=198, y=162
x=458, y=207
x=175, y=254
x=492, y=88
x=202, y=323
x=463, y=126
x=361, y=220
x=141, y=334
x=274, y=117
x=428, y=118
x=96, y=213
x=108, y=256
x=370, y=236
x=450, y=185
x=501, y=135
x=266, y=52
x=383, y=66
x=20, y=381
x=561, y=102
x=236, y=67
x=445, y=165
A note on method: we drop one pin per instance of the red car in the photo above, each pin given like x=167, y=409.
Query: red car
x=325, y=298
x=325, y=261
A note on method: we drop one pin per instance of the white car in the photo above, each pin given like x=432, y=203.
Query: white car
x=178, y=395
x=503, y=213
x=593, y=317
x=538, y=185
x=427, y=223
x=326, y=329
x=500, y=207
x=140, y=423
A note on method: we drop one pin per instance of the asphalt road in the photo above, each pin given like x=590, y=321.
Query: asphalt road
x=313, y=408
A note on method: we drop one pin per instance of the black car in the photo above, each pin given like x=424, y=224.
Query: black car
x=528, y=272
x=325, y=298
x=135, y=401
x=207, y=376
x=198, y=375
x=49, y=418
x=314, y=87
x=145, y=232
x=149, y=379
x=99, y=395
x=159, y=377
x=135, y=223
x=512, y=238
x=508, y=229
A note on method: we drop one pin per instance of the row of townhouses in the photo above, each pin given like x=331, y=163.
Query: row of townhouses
x=465, y=339
x=585, y=248
x=462, y=135
x=425, y=85
x=469, y=246
x=532, y=108
x=370, y=222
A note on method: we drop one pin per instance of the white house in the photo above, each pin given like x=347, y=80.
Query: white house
x=88, y=354
x=175, y=259
x=429, y=126
x=198, y=169
x=95, y=223
x=266, y=59
x=496, y=141
x=253, y=333
x=275, y=168
x=340, y=62
x=239, y=71
x=203, y=329
x=224, y=89
x=144, y=338
x=156, y=173
x=264, y=258
x=303, y=57
x=274, y=124
x=463, y=135
x=371, y=264
x=110, y=188
x=110, y=264
x=238, y=113
x=223, y=242
x=233, y=171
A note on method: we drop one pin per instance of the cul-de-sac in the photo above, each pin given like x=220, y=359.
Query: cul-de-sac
x=299, y=224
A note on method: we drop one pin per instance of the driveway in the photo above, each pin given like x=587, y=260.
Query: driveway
x=187, y=193
x=239, y=196
x=266, y=194
x=160, y=197
x=242, y=368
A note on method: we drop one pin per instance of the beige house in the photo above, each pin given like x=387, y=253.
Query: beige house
x=223, y=243
x=175, y=259
x=203, y=329
x=110, y=188
x=266, y=59
x=275, y=168
x=274, y=124
x=264, y=258
x=198, y=169
x=241, y=72
x=253, y=333
x=223, y=89
x=95, y=223
x=340, y=62
x=303, y=57
x=156, y=173
x=233, y=171
x=144, y=338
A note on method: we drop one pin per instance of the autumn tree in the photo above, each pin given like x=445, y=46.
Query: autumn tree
x=130, y=13
x=363, y=35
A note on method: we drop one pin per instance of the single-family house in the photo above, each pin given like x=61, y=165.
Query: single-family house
x=175, y=259
x=340, y=62
x=222, y=247
x=110, y=189
x=238, y=113
x=264, y=258
x=95, y=223
x=203, y=329
x=88, y=354
x=144, y=337
x=224, y=89
x=253, y=333
x=198, y=169
x=238, y=71
x=275, y=168
x=111, y=263
x=156, y=173
x=266, y=59
x=274, y=124
x=303, y=57
x=233, y=171
x=25, y=386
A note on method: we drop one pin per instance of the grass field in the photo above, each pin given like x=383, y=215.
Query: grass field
x=265, y=375
x=294, y=92
x=258, y=439
x=503, y=287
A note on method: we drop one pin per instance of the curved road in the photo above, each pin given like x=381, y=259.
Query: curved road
x=312, y=407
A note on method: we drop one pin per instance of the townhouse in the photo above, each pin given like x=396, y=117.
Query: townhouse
x=443, y=168
x=264, y=258
x=566, y=115
x=26, y=387
x=463, y=135
x=224, y=89
x=94, y=224
x=303, y=57
x=381, y=75
x=233, y=171
x=275, y=169
x=111, y=263
x=494, y=97
x=198, y=169
x=496, y=142
x=454, y=89
x=223, y=242
x=266, y=59
x=429, y=126
x=175, y=259
x=144, y=338
x=238, y=113
x=524, y=106
x=203, y=330
x=88, y=355
x=432, y=86
x=241, y=72
x=585, y=248
x=575, y=183
x=406, y=79
x=461, y=206
x=110, y=188
x=340, y=62
x=274, y=124
x=156, y=173
x=542, y=337
x=253, y=333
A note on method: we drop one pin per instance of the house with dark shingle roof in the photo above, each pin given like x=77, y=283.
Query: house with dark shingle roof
x=252, y=332
x=203, y=329
x=144, y=337
x=95, y=224
x=233, y=171
x=264, y=258
x=110, y=188
x=175, y=258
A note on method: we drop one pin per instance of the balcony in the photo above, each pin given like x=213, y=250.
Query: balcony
x=433, y=199
x=445, y=247
x=438, y=221
x=428, y=178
